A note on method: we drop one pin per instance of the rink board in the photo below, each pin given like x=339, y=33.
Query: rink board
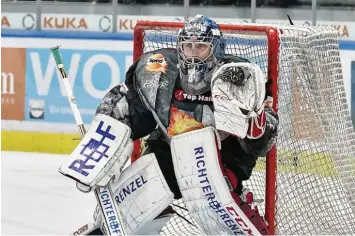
x=59, y=143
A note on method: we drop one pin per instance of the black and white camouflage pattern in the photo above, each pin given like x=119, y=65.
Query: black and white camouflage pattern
x=115, y=105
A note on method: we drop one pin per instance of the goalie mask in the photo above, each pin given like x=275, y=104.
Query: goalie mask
x=200, y=48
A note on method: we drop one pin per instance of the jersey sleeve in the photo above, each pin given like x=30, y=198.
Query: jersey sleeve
x=124, y=104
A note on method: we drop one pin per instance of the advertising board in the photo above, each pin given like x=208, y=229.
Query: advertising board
x=13, y=63
x=92, y=74
x=126, y=23
x=76, y=22
x=25, y=20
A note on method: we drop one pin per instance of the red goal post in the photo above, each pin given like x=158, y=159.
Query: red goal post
x=273, y=47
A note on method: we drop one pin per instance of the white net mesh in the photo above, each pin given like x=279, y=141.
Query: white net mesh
x=316, y=140
x=316, y=159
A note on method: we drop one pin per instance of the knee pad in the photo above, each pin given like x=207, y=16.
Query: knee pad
x=135, y=194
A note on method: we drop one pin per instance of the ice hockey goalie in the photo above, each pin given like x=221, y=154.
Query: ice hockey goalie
x=207, y=121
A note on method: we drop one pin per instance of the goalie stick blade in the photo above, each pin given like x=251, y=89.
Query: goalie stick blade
x=87, y=229
x=69, y=176
x=80, y=186
x=83, y=188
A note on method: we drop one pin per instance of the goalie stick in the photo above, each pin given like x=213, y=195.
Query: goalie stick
x=100, y=193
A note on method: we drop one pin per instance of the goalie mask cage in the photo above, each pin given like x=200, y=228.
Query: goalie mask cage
x=307, y=181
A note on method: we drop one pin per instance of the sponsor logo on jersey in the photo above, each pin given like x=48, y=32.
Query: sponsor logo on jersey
x=181, y=96
x=164, y=85
x=205, y=98
x=157, y=63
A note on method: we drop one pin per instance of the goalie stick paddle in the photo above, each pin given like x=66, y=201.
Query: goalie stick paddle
x=99, y=192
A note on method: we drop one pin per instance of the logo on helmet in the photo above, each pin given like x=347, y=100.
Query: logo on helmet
x=157, y=63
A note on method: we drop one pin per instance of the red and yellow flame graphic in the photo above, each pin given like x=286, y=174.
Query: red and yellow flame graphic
x=180, y=122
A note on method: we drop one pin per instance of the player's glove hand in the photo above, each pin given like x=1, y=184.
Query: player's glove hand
x=100, y=155
x=238, y=93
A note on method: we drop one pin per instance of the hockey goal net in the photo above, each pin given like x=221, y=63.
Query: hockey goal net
x=307, y=181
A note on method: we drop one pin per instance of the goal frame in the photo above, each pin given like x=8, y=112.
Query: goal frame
x=273, y=42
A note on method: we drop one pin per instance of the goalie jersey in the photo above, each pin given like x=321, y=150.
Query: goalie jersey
x=152, y=102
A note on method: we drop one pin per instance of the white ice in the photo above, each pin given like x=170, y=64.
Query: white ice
x=37, y=199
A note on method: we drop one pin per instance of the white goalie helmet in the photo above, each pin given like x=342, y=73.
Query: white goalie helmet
x=200, y=47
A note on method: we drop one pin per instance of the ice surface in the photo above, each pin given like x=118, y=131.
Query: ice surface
x=37, y=199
